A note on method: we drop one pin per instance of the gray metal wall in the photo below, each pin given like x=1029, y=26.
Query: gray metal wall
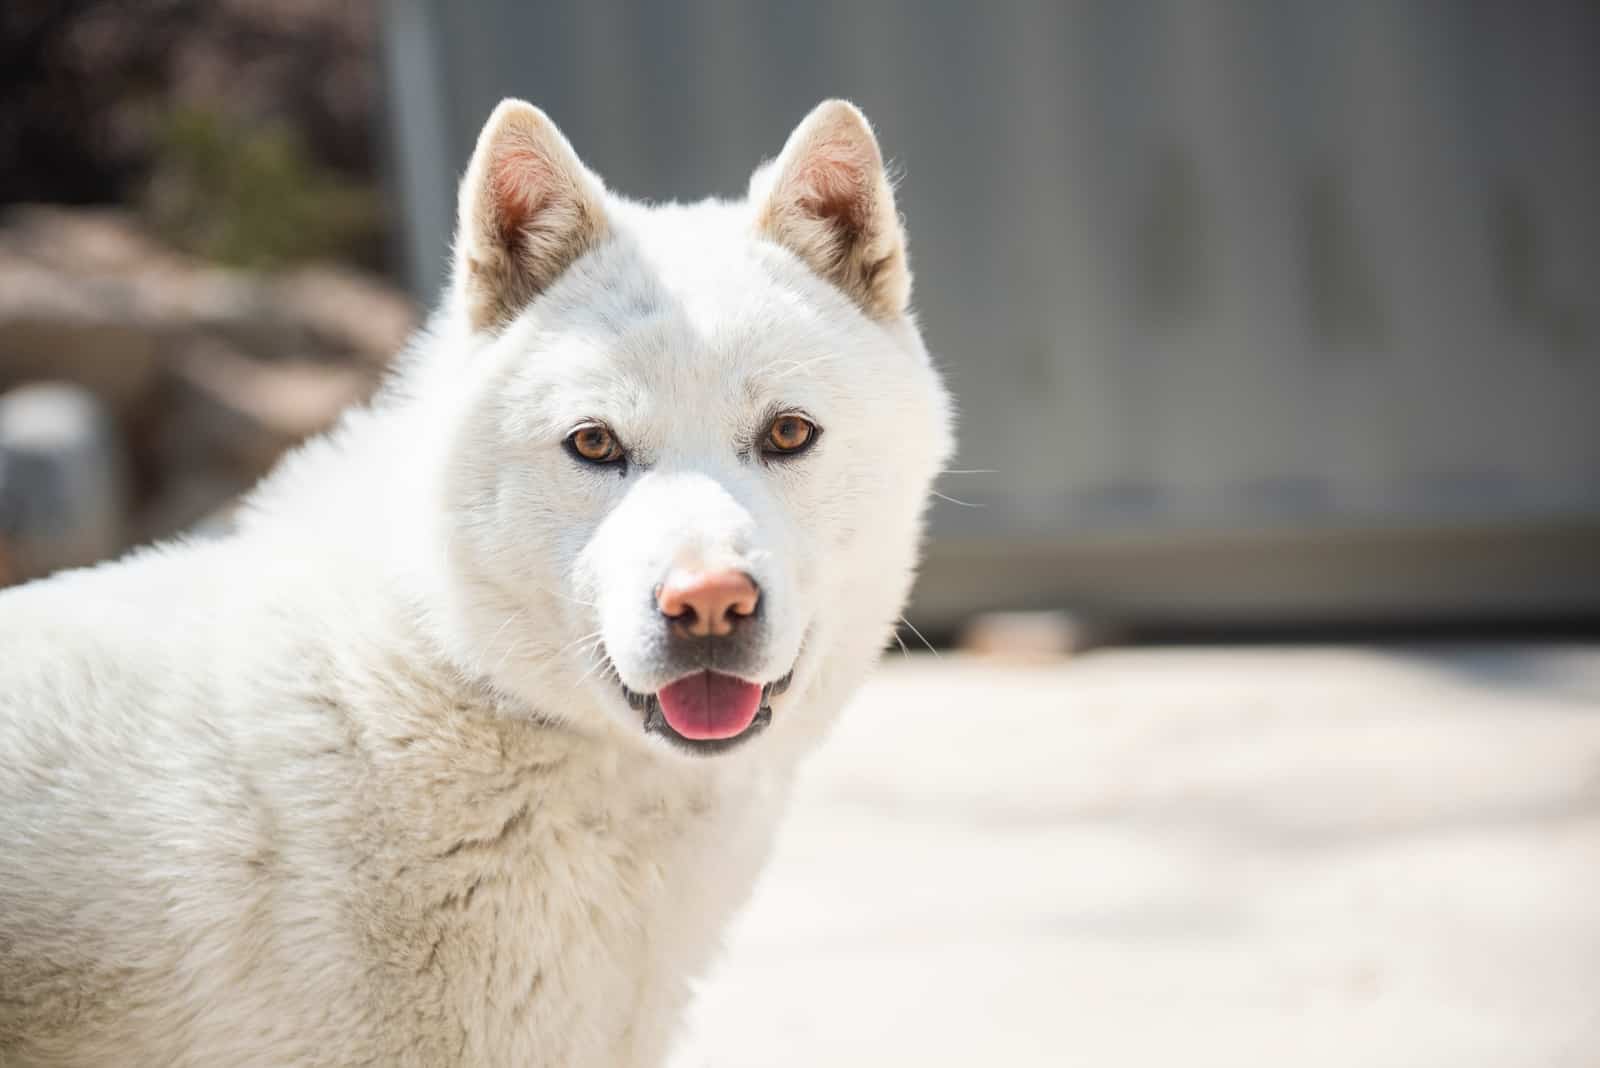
x=1256, y=310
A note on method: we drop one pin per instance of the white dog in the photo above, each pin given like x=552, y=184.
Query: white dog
x=464, y=748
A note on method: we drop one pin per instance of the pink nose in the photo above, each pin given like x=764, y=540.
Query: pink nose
x=707, y=603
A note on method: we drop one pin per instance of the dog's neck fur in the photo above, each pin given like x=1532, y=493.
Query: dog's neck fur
x=508, y=860
x=546, y=832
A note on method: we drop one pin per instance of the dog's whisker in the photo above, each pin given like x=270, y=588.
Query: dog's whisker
x=564, y=597
x=796, y=366
x=594, y=637
x=591, y=636
x=596, y=653
x=918, y=633
x=513, y=617
x=969, y=471
x=952, y=500
x=600, y=663
x=793, y=363
x=506, y=655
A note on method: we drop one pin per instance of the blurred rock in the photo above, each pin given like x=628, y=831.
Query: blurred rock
x=62, y=479
x=115, y=361
x=1024, y=637
x=242, y=413
x=66, y=310
x=344, y=311
x=200, y=377
x=197, y=501
x=71, y=270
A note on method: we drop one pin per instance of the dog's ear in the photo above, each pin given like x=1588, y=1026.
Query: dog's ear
x=827, y=199
x=527, y=209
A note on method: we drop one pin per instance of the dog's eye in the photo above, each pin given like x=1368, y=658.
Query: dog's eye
x=594, y=444
x=788, y=435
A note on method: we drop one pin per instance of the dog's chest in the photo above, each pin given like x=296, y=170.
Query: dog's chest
x=554, y=911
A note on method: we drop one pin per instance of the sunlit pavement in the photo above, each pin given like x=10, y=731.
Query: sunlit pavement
x=1271, y=856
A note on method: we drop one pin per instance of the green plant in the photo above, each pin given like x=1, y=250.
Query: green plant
x=252, y=196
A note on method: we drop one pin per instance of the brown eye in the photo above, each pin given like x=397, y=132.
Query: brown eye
x=594, y=444
x=789, y=434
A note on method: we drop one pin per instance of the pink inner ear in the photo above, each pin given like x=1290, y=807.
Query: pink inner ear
x=833, y=185
x=519, y=182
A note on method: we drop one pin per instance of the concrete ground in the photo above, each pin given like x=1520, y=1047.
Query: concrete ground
x=1235, y=857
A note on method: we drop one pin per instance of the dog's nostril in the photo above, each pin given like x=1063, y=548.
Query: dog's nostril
x=705, y=603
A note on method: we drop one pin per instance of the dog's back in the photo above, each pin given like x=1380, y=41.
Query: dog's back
x=140, y=852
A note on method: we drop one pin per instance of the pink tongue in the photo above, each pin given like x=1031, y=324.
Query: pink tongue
x=708, y=706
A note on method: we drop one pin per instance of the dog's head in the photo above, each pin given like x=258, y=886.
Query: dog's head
x=694, y=443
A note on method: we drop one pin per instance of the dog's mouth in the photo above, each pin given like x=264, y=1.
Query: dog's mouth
x=708, y=712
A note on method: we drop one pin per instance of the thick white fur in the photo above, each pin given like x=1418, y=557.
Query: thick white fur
x=351, y=786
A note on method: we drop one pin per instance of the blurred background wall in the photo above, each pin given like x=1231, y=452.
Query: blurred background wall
x=1257, y=313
